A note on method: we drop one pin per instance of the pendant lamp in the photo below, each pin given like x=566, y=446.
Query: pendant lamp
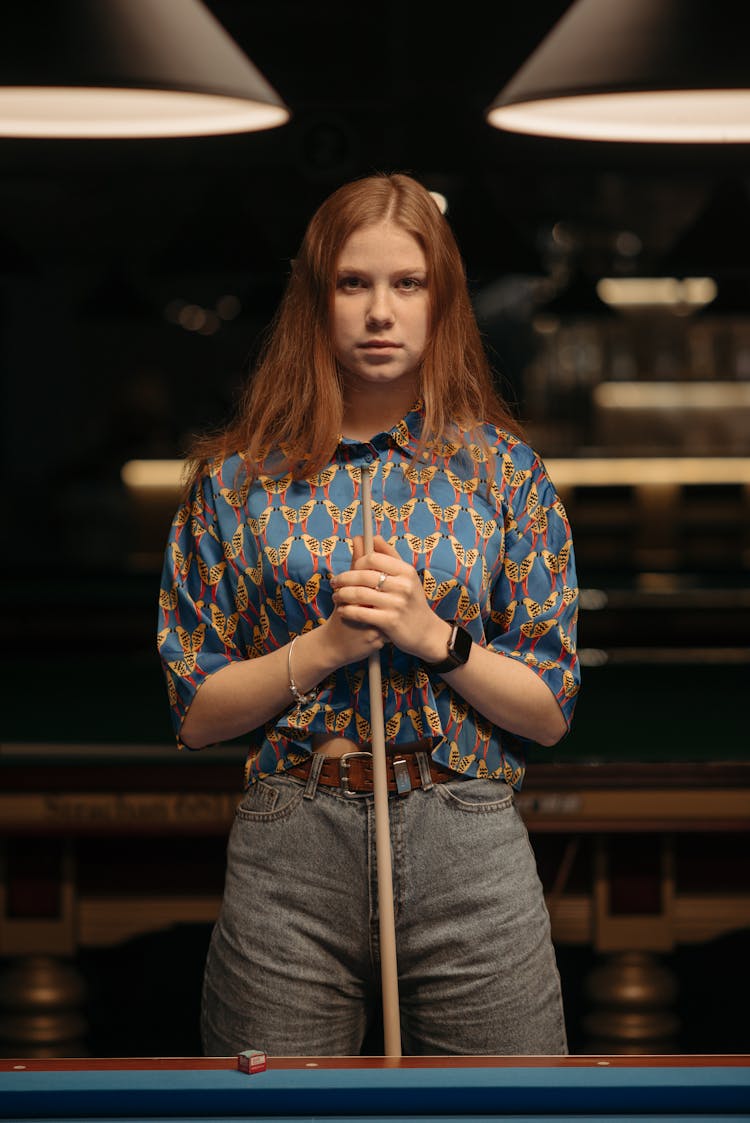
x=127, y=68
x=662, y=71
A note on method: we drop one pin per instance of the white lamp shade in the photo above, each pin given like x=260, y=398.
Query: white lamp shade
x=668, y=71
x=128, y=68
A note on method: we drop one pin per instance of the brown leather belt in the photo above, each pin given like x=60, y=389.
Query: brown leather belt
x=353, y=772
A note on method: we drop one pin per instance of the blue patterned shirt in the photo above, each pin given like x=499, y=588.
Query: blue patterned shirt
x=248, y=567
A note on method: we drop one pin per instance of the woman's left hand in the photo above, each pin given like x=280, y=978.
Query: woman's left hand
x=384, y=591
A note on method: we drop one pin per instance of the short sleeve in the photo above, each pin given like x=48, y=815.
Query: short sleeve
x=535, y=595
x=199, y=602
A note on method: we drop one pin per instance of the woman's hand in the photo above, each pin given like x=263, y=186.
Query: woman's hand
x=383, y=592
x=346, y=641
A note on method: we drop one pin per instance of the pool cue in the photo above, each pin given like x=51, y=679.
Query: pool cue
x=388, y=967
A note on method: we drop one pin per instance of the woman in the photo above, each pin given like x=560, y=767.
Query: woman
x=271, y=608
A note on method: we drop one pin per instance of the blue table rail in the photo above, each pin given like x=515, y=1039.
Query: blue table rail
x=368, y=1089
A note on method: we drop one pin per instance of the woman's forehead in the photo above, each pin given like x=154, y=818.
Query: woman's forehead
x=379, y=243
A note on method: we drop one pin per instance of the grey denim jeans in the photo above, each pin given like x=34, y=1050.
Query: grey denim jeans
x=293, y=965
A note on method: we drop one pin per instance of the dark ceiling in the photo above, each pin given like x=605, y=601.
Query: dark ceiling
x=99, y=240
x=390, y=87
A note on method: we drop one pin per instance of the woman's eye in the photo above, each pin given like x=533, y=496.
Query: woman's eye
x=410, y=283
x=349, y=283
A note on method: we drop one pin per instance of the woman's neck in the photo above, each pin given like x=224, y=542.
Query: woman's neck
x=375, y=411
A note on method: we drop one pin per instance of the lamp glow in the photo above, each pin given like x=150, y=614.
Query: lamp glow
x=647, y=71
x=144, y=476
x=666, y=117
x=128, y=69
x=643, y=292
x=102, y=113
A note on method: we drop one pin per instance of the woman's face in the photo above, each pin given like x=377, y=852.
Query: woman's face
x=381, y=307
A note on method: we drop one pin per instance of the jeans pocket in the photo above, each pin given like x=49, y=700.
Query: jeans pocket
x=477, y=796
x=267, y=801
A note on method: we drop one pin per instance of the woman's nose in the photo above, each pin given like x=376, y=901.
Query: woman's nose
x=380, y=310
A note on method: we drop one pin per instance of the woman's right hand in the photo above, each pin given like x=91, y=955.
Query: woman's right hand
x=344, y=642
x=348, y=641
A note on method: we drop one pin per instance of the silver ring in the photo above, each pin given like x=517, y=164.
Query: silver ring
x=381, y=581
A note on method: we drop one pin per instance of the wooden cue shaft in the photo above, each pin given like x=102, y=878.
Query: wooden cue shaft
x=388, y=965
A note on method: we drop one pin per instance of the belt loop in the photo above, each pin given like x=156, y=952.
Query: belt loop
x=425, y=775
x=316, y=767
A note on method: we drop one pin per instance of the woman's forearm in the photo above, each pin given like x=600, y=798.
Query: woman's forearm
x=246, y=693
x=509, y=694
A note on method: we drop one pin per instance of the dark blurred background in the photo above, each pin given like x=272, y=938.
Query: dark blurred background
x=136, y=279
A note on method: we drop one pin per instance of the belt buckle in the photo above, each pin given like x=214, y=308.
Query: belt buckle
x=344, y=767
x=401, y=776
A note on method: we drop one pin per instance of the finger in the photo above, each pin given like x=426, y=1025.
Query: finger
x=385, y=561
x=358, y=548
x=355, y=639
x=366, y=579
x=380, y=546
x=358, y=587
x=360, y=616
x=354, y=578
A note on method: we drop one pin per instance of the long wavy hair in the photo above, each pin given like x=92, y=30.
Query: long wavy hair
x=291, y=410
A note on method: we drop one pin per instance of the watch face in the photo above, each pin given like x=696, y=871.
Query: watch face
x=459, y=647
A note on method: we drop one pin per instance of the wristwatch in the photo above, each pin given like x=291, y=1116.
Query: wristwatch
x=459, y=649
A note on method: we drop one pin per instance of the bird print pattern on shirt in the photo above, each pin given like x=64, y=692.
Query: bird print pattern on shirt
x=248, y=567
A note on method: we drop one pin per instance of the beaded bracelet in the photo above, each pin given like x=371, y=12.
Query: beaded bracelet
x=297, y=694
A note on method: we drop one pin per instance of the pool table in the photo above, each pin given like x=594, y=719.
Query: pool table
x=447, y=1088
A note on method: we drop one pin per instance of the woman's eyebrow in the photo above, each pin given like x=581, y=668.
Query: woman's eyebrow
x=345, y=268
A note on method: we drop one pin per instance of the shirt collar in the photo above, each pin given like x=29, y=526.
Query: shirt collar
x=404, y=435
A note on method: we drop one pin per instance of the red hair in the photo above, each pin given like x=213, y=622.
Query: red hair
x=292, y=406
